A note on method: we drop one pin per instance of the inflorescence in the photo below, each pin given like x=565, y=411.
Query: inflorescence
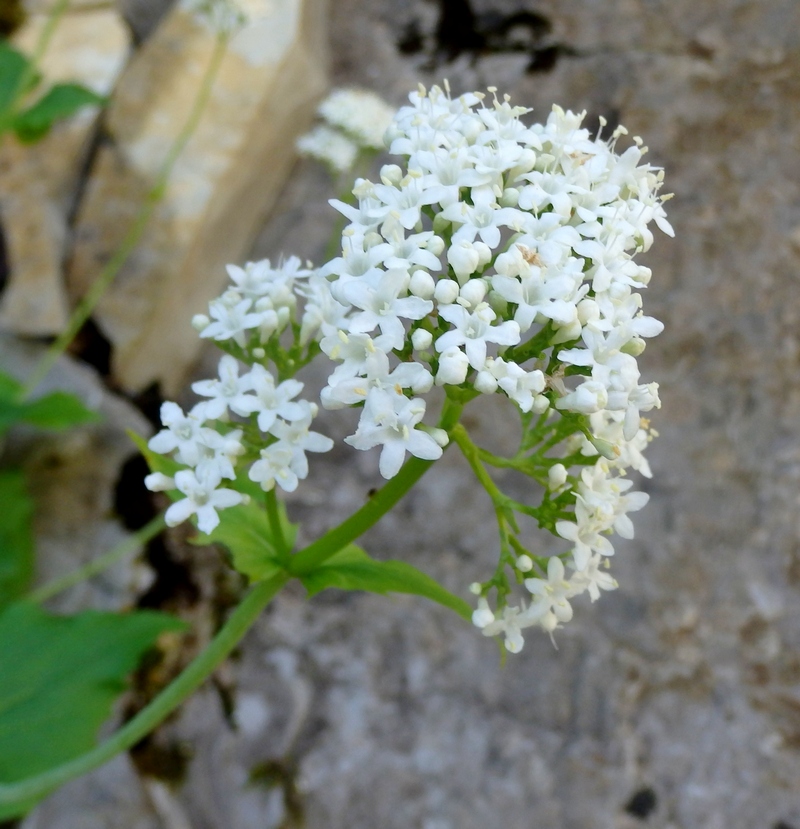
x=498, y=258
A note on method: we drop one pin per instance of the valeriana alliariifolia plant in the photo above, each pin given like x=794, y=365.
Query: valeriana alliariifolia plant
x=496, y=258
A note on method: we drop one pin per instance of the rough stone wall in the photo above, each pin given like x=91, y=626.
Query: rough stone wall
x=674, y=702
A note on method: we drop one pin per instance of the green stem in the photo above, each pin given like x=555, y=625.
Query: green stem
x=275, y=524
x=378, y=505
x=87, y=305
x=472, y=454
x=92, y=568
x=161, y=707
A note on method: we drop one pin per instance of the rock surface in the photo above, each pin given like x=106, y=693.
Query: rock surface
x=672, y=703
x=225, y=181
x=39, y=183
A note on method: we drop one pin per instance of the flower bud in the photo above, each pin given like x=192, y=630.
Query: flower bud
x=473, y=293
x=483, y=615
x=200, y=321
x=435, y=245
x=453, y=367
x=446, y=291
x=464, y=260
x=485, y=383
x=440, y=436
x=541, y=403
x=391, y=175
x=524, y=564
x=421, y=339
x=422, y=285
x=556, y=476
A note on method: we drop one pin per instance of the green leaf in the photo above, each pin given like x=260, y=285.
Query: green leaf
x=59, y=102
x=12, y=68
x=353, y=569
x=59, y=676
x=16, y=537
x=58, y=410
x=245, y=530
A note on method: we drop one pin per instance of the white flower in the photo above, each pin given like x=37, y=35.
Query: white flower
x=275, y=466
x=389, y=419
x=232, y=319
x=474, y=330
x=275, y=401
x=185, y=434
x=229, y=392
x=383, y=305
x=202, y=499
x=297, y=437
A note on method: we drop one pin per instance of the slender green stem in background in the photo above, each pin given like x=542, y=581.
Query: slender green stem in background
x=87, y=305
x=377, y=506
x=161, y=707
x=92, y=568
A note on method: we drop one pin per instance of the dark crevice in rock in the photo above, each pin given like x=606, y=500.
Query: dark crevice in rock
x=92, y=347
x=173, y=585
x=642, y=803
x=133, y=502
x=164, y=761
x=782, y=824
x=460, y=30
x=149, y=404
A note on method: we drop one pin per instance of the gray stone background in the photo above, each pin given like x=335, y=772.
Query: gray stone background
x=674, y=702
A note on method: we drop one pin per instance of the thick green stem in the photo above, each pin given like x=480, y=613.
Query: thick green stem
x=161, y=707
x=87, y=305
x=92, y=568
x=377, y=506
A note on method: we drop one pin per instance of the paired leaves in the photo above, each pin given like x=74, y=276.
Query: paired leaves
x=58, y=102
x=59, y=676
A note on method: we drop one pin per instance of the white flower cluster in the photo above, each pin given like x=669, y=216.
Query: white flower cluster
x=500, y=259
x=258, y=305
x=354, y=120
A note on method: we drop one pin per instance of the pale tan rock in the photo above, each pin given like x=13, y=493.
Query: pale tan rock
x=38, y=182
x=224, y=183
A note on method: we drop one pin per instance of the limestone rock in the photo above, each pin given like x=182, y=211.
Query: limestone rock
x=223, y=184
x=71, y=476
x=38, y=183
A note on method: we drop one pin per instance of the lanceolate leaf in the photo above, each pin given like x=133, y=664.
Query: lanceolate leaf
x=354, y=569
x=59, y=676
x=60, y=101
x=58, y=410
x=16, y=537
x=12, y=67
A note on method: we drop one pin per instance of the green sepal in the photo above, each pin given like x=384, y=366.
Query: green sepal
x=353, y=569
x=59, y=676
